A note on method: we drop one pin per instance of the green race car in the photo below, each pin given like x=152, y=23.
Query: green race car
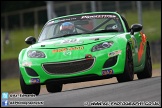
x=84, y=47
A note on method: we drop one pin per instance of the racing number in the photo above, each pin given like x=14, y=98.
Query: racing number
x=70, y=41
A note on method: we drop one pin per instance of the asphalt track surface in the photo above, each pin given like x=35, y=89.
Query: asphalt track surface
x=137, y=92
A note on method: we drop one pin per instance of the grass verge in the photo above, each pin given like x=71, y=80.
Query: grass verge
x=10, y=85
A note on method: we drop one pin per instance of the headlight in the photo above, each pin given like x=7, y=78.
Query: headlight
x=36, y=54
x=102, y=46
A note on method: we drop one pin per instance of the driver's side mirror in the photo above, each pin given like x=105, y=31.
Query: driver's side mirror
x=30, y=40
x=135, y=28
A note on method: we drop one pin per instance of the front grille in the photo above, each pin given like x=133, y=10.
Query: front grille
x=68, y=67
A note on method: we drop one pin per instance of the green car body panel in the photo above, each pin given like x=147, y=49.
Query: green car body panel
x=56, y=51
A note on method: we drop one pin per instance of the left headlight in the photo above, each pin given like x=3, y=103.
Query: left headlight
x=36, y=54
x=102, y=46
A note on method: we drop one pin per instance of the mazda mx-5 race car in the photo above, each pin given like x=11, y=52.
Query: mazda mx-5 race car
x=84, y=47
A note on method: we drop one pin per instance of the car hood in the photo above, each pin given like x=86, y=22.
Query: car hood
x=74, y=40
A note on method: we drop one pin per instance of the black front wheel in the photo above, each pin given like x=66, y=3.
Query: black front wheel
x=53, y=87
x=29, y=89
x=128, y=74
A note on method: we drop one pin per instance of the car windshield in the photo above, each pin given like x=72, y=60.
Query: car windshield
x=81, y=24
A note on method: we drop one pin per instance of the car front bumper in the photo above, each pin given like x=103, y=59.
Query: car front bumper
x=103, y=65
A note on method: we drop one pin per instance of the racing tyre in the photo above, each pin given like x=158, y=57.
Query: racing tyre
x=54, y=87
x=128, y=74
x=147, y=72
x=29, y=89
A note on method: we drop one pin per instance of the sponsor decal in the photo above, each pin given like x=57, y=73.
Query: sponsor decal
x=97, y=16
x=65, y=19
x=65, y=49
x=69, y=41
x=114, y=53
x=67, y=52
x=27, y=64
x=34, y=80
x=107, y=72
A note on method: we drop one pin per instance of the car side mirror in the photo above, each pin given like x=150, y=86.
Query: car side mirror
x=135, y=28
x=30, y=40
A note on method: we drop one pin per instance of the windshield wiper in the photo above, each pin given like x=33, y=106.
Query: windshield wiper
x=104, y=31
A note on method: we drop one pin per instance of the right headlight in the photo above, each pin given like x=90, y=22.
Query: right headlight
x=102, y=46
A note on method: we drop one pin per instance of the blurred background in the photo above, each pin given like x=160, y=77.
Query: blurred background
x=20, y=19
